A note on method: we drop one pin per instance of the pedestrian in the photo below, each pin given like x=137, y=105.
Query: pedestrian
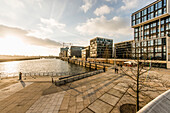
x=117, y=71
x=20, y=76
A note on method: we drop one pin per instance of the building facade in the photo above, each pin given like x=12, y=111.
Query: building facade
x=101, y=48
x=151, y=32
x=75, y=51
x=123, y=50
x=63, y=52
x=86, y=53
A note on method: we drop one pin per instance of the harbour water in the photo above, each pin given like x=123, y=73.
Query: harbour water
x=39, y=66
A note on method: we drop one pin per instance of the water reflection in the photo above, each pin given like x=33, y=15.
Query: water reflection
x=40, y=65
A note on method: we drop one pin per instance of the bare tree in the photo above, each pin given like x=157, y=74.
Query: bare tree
x=142, y=82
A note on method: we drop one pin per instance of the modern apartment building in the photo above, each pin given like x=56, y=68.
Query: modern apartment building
x=151, y=33
x=85, y=53
x=63, y=52
x=101, y=48
x=75, y=51
x=123, y=50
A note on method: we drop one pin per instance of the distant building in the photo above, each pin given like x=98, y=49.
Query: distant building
x=101, y=48
x=63, y=52
x=75, y=51
x=123, y=50
x=152, y=32
x=86, y=52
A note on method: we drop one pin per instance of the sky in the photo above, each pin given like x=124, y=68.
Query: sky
x=39, y=27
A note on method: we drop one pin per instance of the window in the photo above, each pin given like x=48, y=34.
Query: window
x=150, y=49
x=156, y=13
x=164, y=3
x=152, y=8
x=167, y=20
x=159, y=12
x=160, y=4
x=162, y=28
x=145, y=12
x=133, y=17
x=159, y=41
x=162, y=21
x=156, y=6
x=139, y=15
x=162, y=34
x=133, y=23
x=149, y=16
x=164, y=41
x=149, y=9
x=152, y=15
x=164, y=10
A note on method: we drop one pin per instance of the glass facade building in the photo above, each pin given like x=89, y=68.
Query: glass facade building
x=101, y=48
x=151, y=32
x=123, y=50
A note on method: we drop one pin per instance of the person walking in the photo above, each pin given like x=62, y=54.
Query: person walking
x=117, y=70
x=20, y=76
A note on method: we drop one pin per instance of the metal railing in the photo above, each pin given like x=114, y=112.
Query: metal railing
x=34, y=74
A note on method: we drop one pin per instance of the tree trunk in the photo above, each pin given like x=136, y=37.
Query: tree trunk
x=137, y=88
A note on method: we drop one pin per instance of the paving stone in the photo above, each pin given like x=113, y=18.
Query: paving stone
x=100, y=107
x=109, y=99
x=86, y=111
x=115, y=92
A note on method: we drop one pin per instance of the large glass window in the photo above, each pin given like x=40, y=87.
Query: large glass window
x=164, y=3
x=159, y=41
x=160, y=4
x=156, y=6
x=159, y=12
x=152, y=15
x=152, y=8
x=149, y=9
x=150, y=49
x=145, y=11
x=164, y=10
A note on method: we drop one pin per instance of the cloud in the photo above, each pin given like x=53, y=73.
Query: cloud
x=101, y=26
x=134, y=4
x=23, y=35
x=103, y=10
x=87, y=5
x=52, y=23
x=46, y=28
x=129, y=4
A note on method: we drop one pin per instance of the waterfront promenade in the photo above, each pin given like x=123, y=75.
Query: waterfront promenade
x=101, y=93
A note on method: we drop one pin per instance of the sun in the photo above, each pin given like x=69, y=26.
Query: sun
x=10, y=44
